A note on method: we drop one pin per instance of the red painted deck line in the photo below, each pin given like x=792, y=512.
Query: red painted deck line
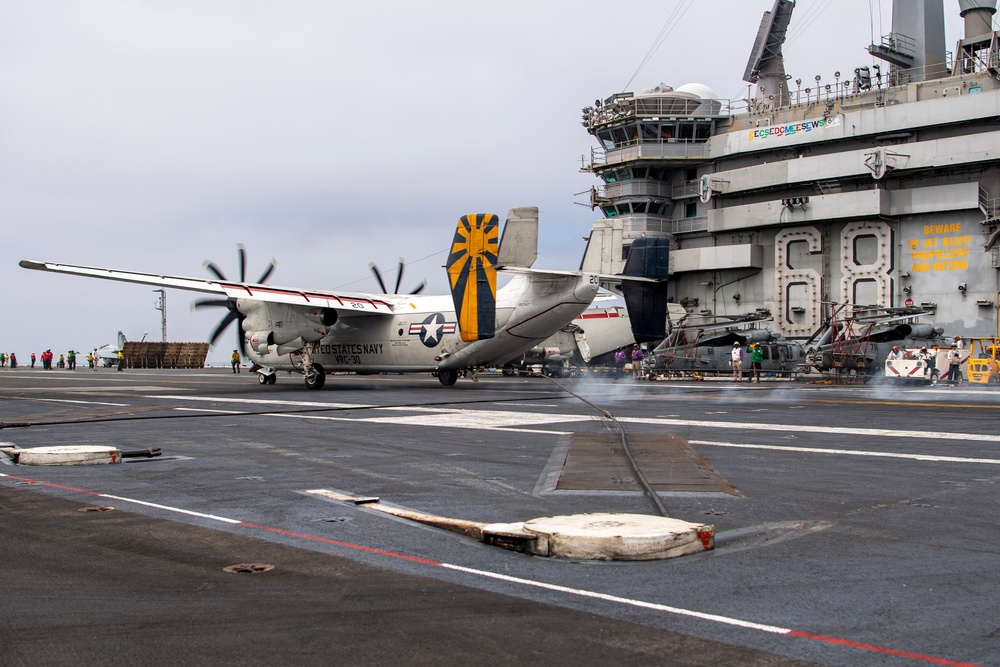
x=881, y=649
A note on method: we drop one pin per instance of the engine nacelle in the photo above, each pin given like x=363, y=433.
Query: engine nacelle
x=324, y=316
x=287, y=340
x=290, y=347
x=756, y=335
x=290, y=327
x=259, y=340
x=915, y=330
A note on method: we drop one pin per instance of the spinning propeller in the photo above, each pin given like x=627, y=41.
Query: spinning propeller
x=230, y=304
x=399, y=279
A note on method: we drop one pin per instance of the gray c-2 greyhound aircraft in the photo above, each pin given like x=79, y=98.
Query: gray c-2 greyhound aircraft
x=313, y=332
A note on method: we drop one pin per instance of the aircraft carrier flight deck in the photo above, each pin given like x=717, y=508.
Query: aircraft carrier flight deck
x=854, y=525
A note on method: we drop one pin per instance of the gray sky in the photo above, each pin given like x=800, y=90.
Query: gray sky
x=152, y=136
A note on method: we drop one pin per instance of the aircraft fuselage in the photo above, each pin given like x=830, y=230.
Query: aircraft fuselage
x=421, y=333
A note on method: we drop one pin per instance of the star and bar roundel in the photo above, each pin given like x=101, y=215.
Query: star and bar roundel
x=473, y=275
x=432, y=329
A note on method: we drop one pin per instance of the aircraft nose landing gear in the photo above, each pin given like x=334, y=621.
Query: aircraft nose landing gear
x=266, y=376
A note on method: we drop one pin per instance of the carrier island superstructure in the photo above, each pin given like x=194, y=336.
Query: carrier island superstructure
x=879, y=186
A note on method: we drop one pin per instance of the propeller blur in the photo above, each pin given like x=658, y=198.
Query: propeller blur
x=233, y=314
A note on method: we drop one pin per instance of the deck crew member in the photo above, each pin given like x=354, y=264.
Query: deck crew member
x=954, y=366
x=756, y=359
x=736, y=359
x=929, y=363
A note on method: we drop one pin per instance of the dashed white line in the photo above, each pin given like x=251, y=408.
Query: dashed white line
x=849, y=452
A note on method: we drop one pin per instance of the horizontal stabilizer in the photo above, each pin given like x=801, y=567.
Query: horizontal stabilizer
x=472, y=274
x=646, y=297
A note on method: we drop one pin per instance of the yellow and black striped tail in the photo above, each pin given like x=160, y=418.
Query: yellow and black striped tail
x=473, y=275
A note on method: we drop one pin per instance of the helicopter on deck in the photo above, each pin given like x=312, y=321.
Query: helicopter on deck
x=855, y=340
x=701, y=345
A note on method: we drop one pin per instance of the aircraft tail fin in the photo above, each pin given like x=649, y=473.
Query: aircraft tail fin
x=472, y=274
x=519, y=243
x=646, y=296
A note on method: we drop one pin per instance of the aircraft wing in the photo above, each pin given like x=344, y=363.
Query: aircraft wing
x=348, y=303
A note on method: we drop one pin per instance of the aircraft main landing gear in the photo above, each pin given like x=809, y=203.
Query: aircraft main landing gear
x=317, y=378
x=447, y=378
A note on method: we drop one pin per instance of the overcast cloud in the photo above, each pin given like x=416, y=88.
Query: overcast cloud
x=152, y=136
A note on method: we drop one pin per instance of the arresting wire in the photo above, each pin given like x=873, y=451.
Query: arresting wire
x=614, y=425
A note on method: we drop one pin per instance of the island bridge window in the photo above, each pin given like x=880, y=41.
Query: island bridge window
x=620, y=137
x=693, y=131
x=625, y=208
x=615, y=175
x=658, y=131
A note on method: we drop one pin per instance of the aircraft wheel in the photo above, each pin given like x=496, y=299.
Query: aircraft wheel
x=261, y=378
x=318, y=379
x=272, y=378
x=448, y=378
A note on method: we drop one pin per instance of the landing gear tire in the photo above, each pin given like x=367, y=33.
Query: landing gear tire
x=272, y=378
x=317, y=379
x=448, y=378
x=261, y=378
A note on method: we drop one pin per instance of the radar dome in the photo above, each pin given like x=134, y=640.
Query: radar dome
x=699, y=89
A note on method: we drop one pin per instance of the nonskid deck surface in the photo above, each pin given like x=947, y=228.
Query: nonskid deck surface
x=848, y=501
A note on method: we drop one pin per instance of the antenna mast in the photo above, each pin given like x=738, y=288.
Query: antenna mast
x=161, y=306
